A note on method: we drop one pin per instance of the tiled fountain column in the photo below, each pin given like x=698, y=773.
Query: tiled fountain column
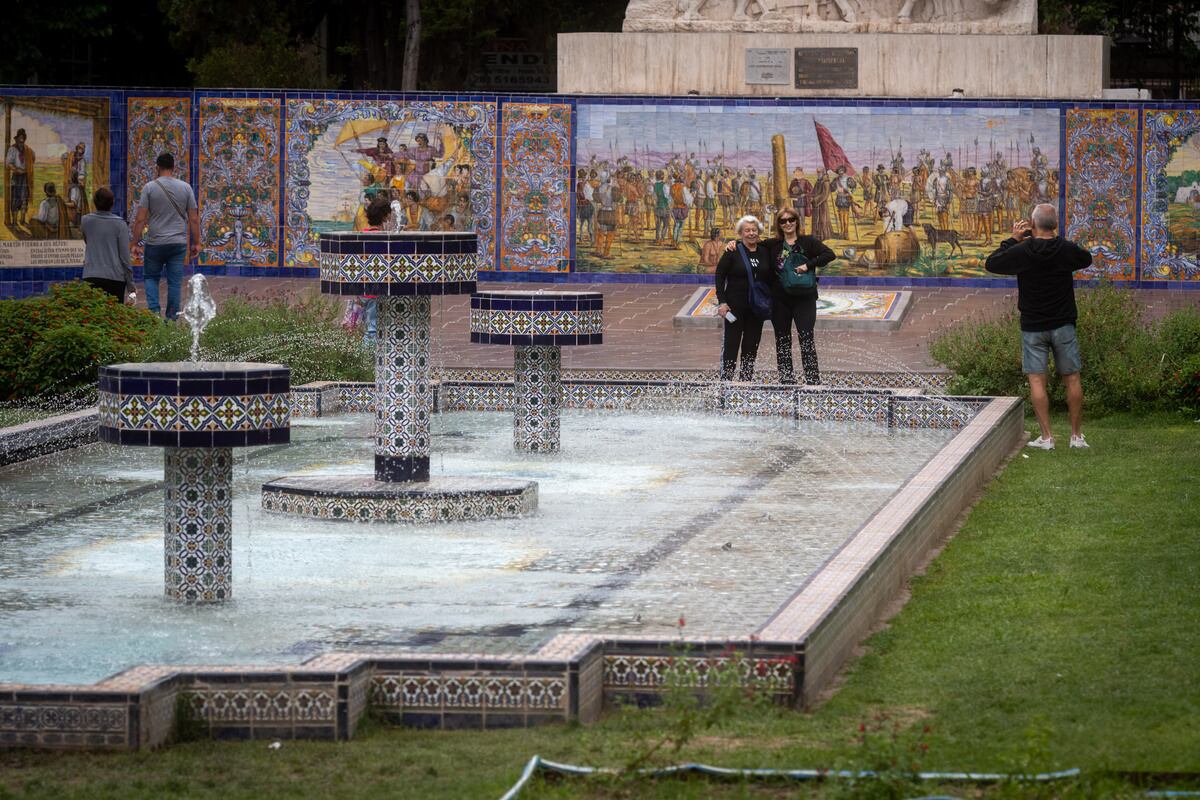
x=403, y=397
x=401, y=270
x=538, y=324
x=198, y=412
x=198, y=530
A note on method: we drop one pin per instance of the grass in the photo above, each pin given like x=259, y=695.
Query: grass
x=1058, y=629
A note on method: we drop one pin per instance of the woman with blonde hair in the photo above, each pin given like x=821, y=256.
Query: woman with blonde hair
x=742, y=278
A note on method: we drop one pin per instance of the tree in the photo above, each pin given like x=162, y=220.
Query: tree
x=1152, y=38
x=269, y=43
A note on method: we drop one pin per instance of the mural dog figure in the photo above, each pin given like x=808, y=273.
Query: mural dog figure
x=938, y=235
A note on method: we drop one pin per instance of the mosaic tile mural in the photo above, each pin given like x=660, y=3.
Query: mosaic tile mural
x=1101, y=170
x=901, y=191
x=1171, y=195
x=574, y=185
x=535, y=229
x=238, y=184
x=156, y=125
x=56, y=154
x=435, y=161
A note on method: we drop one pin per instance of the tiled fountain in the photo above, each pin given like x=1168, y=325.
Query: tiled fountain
x=197, y=411
x=401, y=270
x=538, y=325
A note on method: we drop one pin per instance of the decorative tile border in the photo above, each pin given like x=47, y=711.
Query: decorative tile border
x=365, y=499
x=1163, y=133
x=535, y=187
x=537, y=318
x=1101, y=186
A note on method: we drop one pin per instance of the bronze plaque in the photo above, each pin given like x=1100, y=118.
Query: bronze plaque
x=826, y=67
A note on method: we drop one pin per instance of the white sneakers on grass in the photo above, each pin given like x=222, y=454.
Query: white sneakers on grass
x=1077, y=443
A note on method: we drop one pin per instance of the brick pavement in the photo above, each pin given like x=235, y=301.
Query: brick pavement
x=639, y=333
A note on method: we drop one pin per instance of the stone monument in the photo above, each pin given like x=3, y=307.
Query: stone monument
x=833, y=48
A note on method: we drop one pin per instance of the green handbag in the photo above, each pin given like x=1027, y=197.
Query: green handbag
x=794, y=281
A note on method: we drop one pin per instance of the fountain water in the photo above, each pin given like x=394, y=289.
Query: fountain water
x=197, y=411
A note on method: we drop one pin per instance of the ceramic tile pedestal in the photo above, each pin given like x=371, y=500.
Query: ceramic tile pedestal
x=538, y=325
x=198, y=412
x=401, y=271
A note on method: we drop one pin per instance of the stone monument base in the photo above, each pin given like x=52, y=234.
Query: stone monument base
x=361, y=498
x=889, y=64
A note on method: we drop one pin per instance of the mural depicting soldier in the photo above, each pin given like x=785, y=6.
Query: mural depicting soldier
x=18, y=168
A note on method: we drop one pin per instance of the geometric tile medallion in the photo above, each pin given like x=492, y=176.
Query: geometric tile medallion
x=537, y=318
x=194, y=404
x=398, y=264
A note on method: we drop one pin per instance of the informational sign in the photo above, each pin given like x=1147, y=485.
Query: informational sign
x=826, y=67
x=767, y=65
x=42, y=253
x=513, y=66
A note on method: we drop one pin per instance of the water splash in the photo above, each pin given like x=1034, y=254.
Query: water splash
x=198, y=311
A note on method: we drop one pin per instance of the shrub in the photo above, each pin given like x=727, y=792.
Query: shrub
x=50, y=345
x=1128, y=365
x=306, y=336
x=1184, y=384
x=1121, y=370
x=984, y=355
x=1179, y=336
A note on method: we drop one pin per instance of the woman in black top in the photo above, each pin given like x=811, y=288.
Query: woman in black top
x=733, y=294
x=787, y=308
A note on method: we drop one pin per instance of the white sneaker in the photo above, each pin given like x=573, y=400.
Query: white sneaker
x=1042, y=444
x=1079, y=441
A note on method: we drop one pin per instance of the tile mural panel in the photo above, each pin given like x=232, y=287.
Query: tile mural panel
x=55, y=156
x=614, y=188
x=1101, y=170
x=156, y=125
x=435, y=162
x=535, y=189
x=895, y=191
x=238, y=184
x=1171, y=195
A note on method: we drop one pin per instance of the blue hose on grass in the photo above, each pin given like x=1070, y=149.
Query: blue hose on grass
x=539, y=764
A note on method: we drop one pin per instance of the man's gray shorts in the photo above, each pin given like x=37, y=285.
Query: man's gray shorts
x=1036, y=347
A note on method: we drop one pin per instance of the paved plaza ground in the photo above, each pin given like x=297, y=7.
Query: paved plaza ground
x=639, y=332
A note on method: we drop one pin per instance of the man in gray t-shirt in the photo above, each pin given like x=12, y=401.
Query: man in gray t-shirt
x=168, y=215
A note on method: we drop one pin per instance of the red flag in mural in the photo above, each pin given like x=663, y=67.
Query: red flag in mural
x=832, y=154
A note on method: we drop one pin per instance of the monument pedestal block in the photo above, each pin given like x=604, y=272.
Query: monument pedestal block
x=905, y=64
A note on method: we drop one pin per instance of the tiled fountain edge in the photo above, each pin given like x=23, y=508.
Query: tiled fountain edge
x=839, y=605
x=794, y=655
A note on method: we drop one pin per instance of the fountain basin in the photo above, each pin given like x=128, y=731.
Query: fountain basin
x=364, y=499
x=461, y=665
x=194, y=404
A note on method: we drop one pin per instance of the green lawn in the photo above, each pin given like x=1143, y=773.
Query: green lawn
x=1060, y=628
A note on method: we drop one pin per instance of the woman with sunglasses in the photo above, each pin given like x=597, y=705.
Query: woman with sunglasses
x=801, y=308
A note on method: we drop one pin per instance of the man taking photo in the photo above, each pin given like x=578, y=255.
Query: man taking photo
x=1044, y=264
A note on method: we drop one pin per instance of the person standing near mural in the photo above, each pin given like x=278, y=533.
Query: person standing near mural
x=106, y=250
x=168, y=215
x=1044, y=264
x=18, y=164
x=748, y=261
x=790, y=249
